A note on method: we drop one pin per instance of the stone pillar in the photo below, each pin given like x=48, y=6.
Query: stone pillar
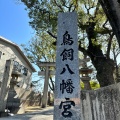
x=13, y=101
x=67, y=83
x=45, y=92
x=86, y=81
x=5, y=85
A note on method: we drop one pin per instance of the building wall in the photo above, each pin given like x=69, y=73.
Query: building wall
x=10, y=52
x=101, y=104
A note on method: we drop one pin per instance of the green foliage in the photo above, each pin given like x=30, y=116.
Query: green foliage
x=43, y=18
x=81, y=85
x=94, y=85
x=39, y=49
x=43, y=13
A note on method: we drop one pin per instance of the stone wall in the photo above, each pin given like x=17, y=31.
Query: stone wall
x=101, y=104
x=28, y=97
x=33, y=99
x=19, y=99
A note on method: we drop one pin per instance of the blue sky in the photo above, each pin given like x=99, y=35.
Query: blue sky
x=14, y=20
x=14, y=24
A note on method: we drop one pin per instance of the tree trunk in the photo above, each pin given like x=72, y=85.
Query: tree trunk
x=103, y=64
x=112, y=11
x=105, y=68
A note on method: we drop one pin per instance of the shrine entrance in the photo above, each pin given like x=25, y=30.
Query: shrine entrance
x=47, y=74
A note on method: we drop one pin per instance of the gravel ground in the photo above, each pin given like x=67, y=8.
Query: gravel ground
x=44, y=114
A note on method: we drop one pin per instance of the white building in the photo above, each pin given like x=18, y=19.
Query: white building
x=22, y=69
x=22, y=66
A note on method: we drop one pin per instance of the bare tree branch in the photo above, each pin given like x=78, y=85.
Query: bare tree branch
x=83, y=50
x=109, y=45
x=52, y=87
x=58, y=5
x=51, y=34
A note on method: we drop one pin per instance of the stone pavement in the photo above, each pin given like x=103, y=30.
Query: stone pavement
x=43, y=114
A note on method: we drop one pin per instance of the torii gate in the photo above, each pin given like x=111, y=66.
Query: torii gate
x=47, y=74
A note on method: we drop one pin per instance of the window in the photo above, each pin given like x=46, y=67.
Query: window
x=20, y=68
x=16, y=64
x=25, y=71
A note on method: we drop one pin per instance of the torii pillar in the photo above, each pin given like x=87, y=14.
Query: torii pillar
x=46, y=73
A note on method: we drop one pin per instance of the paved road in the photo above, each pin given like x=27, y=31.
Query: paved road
x=45, y=114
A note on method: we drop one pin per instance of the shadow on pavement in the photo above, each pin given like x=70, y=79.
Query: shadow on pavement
x=45, y=114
